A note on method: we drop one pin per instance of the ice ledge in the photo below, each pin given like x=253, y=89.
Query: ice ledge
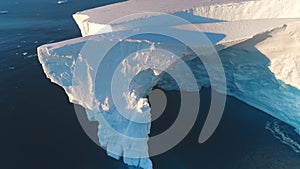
x=105, y=19
x=238, y=31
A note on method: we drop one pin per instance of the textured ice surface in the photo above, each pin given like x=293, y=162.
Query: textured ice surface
x=260, y=58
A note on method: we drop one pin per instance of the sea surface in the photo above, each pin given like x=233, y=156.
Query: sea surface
x=39, y=128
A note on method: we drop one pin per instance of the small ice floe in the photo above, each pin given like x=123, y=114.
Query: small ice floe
x=62, y=2
x=11, y=68
x=25, y=53
x=3, y=12
x=30, y=56
x=36, y=42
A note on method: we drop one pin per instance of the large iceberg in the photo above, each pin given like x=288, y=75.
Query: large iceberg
x=112, y=69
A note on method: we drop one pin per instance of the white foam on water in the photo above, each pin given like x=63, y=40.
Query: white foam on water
x=278, y=129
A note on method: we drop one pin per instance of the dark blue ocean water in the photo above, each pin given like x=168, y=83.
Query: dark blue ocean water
x=39, y=128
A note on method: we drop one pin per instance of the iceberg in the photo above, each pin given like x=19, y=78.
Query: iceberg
x=62, y=2
x=3, y=12
x=112, y=69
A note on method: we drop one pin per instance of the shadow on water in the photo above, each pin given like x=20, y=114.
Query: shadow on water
x=240, y=141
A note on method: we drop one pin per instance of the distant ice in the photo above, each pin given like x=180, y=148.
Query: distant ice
x=3, y=12
x=62, y=2
x=30, y=56
x=50, y=41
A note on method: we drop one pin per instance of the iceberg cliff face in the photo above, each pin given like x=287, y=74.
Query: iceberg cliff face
x=282, y=48
x=111, y=76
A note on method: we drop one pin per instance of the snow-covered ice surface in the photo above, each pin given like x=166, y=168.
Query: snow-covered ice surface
x=238, y=31
x=105, y=19
x=257, y=41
